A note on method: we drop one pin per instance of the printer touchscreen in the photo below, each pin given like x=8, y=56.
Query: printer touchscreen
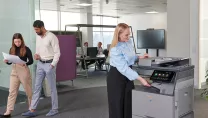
x=163, y=76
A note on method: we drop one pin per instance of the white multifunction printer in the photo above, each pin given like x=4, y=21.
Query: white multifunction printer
x=171, y=94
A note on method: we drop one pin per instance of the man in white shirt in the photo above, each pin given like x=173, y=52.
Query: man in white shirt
x=47, y=54
x=99, y=48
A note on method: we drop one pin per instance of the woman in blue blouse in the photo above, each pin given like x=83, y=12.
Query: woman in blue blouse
x=120, y=77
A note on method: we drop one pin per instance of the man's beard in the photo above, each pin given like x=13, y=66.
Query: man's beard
x=41, y=33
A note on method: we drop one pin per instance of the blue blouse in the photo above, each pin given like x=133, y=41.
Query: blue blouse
x=122, y=56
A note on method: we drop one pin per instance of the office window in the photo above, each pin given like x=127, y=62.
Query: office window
x=109, y=21
x=97, y=21
x=50, y=19
x=97, y=37
x=104, y=35
x=107, y=38
x=69, y=18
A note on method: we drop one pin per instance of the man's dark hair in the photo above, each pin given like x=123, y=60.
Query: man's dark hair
x=38, y=24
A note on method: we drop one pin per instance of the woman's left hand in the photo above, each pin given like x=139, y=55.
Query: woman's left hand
x=144, y=56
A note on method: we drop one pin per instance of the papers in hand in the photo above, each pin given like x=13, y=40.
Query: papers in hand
x=13, y=59
x=100, y=55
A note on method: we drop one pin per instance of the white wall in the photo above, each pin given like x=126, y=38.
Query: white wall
x=178, y=44
x=143, y=22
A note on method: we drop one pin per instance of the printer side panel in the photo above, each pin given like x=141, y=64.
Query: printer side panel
x=184, y=93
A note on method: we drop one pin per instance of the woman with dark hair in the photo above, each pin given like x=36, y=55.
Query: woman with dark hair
x=20, y=73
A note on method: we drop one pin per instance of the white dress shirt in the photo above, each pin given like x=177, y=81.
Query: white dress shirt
x=100, y=50
x=48, y=47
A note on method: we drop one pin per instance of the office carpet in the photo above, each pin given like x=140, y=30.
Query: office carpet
x=81, y=103
x=90, y=103
x=4, y=95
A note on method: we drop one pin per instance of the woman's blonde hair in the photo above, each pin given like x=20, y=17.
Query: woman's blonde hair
x=119, y=29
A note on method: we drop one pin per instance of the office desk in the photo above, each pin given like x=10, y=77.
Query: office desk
x=90, y=58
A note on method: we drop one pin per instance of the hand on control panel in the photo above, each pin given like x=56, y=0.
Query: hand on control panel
x=144, y=82
x=144, y=56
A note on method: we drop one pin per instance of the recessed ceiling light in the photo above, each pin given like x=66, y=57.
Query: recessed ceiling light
x=84, y=4
x=152, y=12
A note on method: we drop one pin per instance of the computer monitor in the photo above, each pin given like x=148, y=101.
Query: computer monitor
x=151, y=39
x=92, y=51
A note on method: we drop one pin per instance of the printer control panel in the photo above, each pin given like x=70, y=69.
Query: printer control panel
x=162, y=76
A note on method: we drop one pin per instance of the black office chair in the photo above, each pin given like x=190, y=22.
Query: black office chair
x=105, y=52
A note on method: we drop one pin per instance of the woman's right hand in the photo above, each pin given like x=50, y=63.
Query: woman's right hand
x=6, y=61
x=144, y=82
x=144, y=56
x=37, y=57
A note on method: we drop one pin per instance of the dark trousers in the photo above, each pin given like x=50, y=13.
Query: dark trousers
x=88, y=62
x=100, y=62
x=119, y=90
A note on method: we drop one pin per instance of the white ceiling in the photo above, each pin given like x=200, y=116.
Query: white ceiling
x=113, y=8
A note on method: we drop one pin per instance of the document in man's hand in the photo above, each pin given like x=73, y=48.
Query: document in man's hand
x=13, y=59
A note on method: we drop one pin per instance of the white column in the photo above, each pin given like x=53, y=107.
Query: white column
x=194, y=40
x=87, y=34
x=182, y=31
